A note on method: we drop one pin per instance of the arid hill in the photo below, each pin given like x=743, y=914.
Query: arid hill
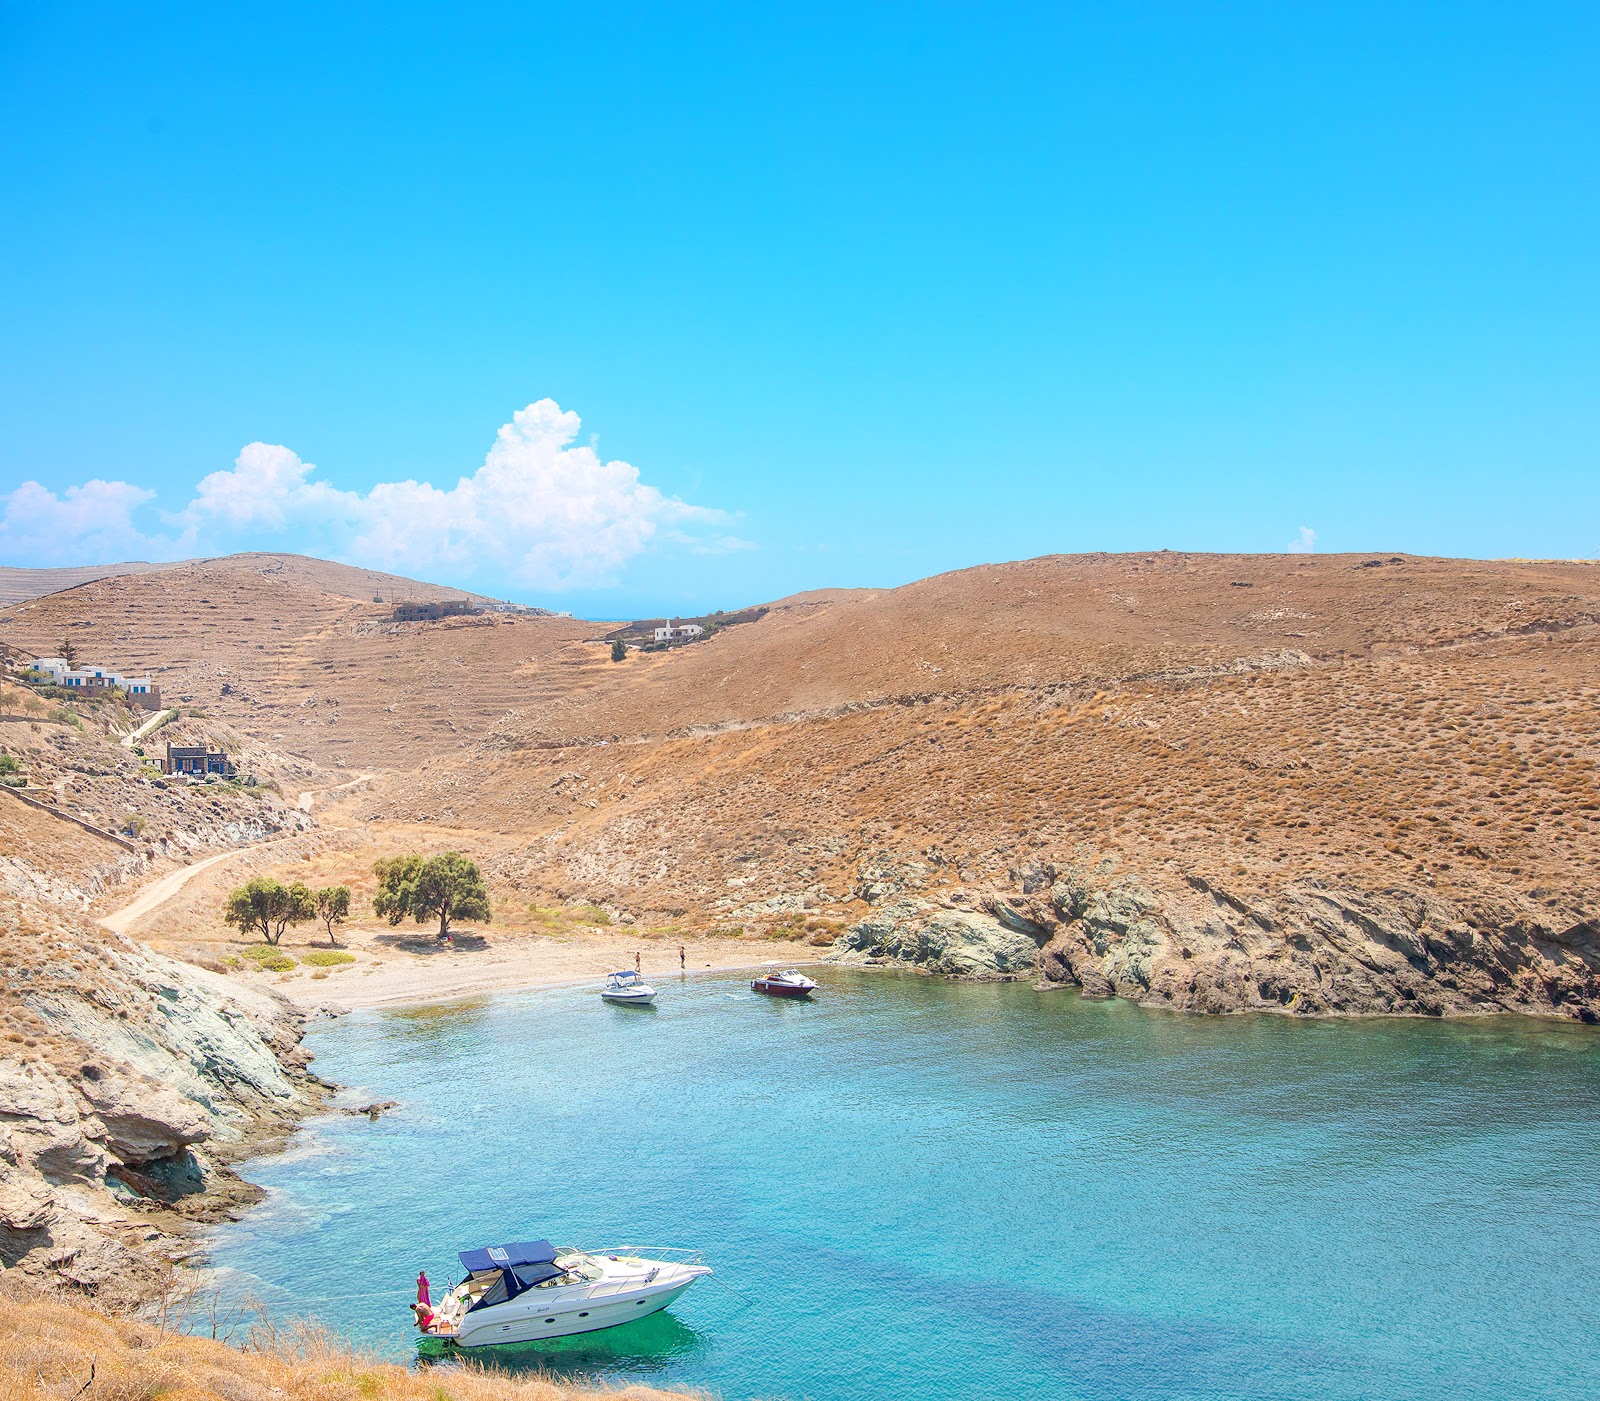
x=16, y=584
x=1326, y=783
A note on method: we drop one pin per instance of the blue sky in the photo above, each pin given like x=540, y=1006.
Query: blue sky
x=841, y=295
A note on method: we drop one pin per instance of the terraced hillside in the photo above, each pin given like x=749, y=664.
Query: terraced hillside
x=1225, y=742
x=301, y=652
x=16, y=584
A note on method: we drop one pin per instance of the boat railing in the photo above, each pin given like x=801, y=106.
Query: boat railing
x=669, y=1254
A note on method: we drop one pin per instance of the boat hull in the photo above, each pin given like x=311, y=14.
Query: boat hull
x=779, y=989
x=629, y=999
x=572, y=1316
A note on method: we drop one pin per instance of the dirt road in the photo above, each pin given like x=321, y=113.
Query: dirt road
x=157, y=893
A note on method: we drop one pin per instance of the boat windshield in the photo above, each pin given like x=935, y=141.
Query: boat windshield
x=486, y=1289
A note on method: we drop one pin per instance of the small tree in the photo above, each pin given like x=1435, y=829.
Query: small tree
x=69, y=653
x=267, y=907
x=448, y=886
x=619, y=650
x=8, y=765
x=331, y=905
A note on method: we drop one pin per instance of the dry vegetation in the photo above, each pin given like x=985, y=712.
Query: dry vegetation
x=55, y=1350
x=295, y=652
x=1340, y=783
x=1365, y=720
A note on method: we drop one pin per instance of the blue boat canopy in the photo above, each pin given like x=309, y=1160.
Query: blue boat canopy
x=508, y=1257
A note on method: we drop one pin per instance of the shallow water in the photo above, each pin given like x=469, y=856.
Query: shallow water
x=919, y=1189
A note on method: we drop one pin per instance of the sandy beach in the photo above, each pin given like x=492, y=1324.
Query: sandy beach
x=410, y=975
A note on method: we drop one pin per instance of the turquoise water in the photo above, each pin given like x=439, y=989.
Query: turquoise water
x=928, y=1190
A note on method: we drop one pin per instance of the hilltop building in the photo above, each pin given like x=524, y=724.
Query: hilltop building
x=671, y=631
x=675, y=631
x=430, y=612
x=197, y=759
x=138, y=689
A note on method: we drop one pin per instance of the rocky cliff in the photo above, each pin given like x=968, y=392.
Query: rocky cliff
x=128, y=1082
x=1187, y=942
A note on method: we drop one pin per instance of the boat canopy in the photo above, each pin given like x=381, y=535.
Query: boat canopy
x=521, y=1265
x=508, y=1257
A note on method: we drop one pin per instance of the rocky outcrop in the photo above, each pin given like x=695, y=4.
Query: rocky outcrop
x=1191, y=944
x=128, y=1082
x=958, y=943
x=141, y=1120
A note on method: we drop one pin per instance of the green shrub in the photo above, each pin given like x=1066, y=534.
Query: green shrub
x=7, y=764
x=269, y=958
x=591, y=914
x=327, y=958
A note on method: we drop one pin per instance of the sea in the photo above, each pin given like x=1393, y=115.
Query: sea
x=911, y=1188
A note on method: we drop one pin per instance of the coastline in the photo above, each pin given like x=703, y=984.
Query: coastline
x=393, y=984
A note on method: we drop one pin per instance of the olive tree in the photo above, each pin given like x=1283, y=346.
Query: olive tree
x=267, y=907
x=331, y=904
x=427, y=887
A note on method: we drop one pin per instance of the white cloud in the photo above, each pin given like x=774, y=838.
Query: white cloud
x=91, y=523
x=1306, y=543
x=539, y=509
x=267, y=488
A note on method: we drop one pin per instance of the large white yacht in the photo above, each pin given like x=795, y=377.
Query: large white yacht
x=531, y=1289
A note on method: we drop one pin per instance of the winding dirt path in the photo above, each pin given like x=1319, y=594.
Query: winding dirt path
x=157, y=893
x=155, y=722
x=307, y=797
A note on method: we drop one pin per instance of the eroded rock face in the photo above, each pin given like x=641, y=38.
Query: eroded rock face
x=142, y=1120
x=1191, y=945
x=1313, y=948
x=955, y=942
x=138, y=1078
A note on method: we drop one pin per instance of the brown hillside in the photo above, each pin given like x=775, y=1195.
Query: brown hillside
x=296, y=652
x=1248, y=725
x=17, y=584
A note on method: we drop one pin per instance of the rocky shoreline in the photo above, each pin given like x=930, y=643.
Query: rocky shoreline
x=1183, y=941
x=129, y=1084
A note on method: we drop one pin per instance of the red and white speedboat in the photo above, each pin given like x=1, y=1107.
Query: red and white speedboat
x=789, y=983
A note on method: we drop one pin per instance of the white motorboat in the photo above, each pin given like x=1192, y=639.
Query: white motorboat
x=528, y=1290
x=627, y=987
x=791, y=982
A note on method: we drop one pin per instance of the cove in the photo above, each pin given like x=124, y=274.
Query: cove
x=919, y=1189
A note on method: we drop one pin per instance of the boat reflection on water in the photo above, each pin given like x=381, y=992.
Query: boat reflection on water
x=652, y=1344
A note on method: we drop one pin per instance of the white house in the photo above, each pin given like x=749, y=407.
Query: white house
x=95, y=678
x=674, y=630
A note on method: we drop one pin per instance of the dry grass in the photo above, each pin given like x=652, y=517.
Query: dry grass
x=49, y=1347
x=1375, y=721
